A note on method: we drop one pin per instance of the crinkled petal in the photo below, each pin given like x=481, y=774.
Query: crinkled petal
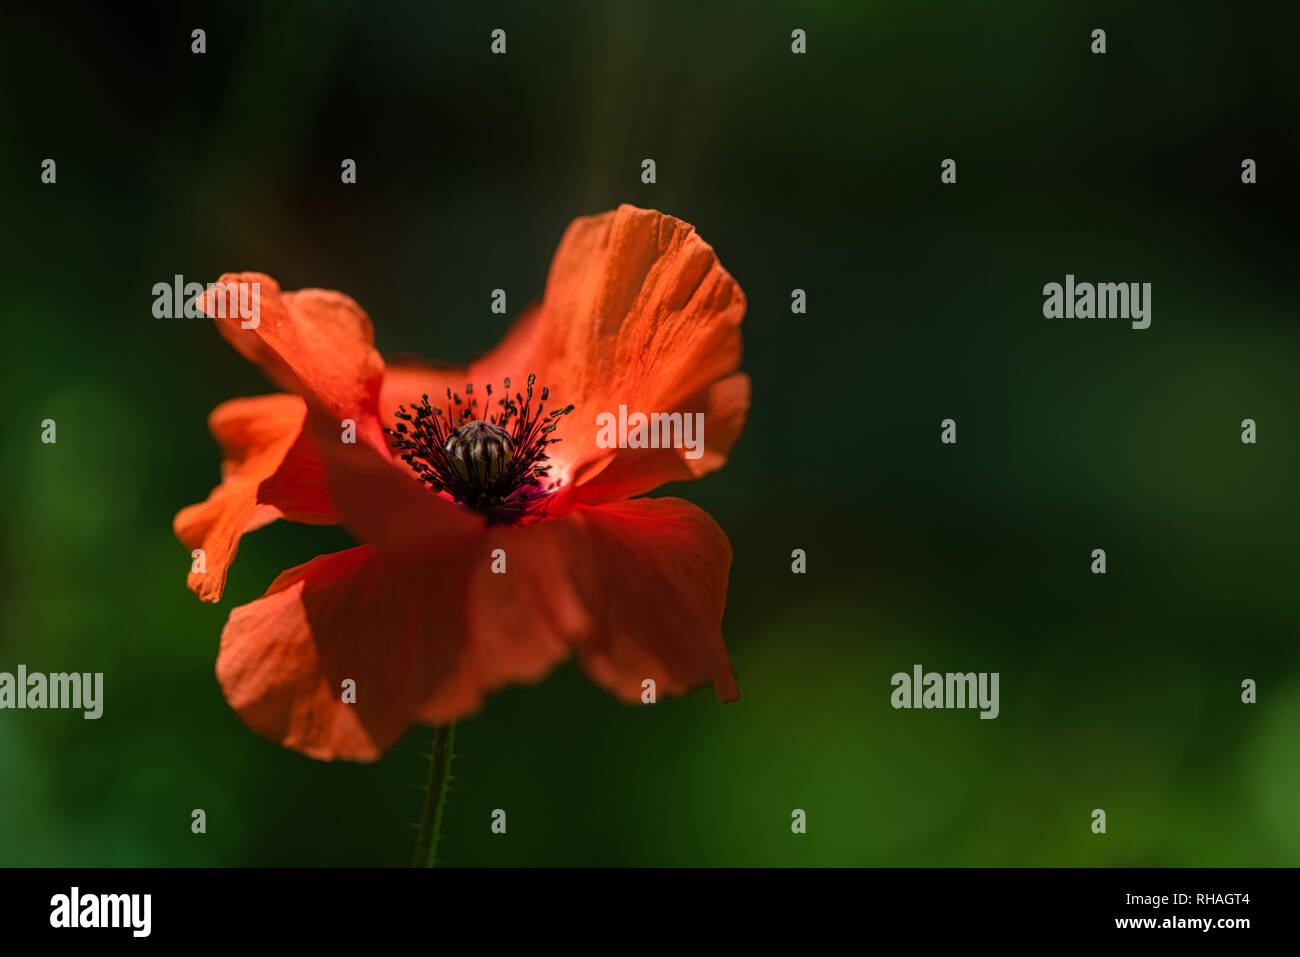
x=316, y=342
x=393, y=629
x=638, y=312
x=269, y=470
x=637, y=587
x=628, y=472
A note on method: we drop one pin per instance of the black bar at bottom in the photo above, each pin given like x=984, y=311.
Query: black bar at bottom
x=653, y=907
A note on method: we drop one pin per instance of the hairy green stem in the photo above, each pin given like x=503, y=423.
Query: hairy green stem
x=435, y=797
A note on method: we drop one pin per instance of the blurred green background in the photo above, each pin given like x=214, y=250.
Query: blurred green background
x=819, y=172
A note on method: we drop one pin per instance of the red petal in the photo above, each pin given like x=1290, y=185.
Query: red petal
x=638, y=586
x=284, y=657
x=315, y=342
x=395, y=627
x=638, y=311
x=269, y=471
x=629, y=472
x=406, y=381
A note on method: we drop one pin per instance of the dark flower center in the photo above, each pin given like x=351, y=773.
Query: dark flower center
x=492, y=462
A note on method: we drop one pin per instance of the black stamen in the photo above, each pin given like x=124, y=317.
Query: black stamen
x=492, y=464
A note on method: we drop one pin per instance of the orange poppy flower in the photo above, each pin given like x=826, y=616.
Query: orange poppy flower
x=448, y=466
